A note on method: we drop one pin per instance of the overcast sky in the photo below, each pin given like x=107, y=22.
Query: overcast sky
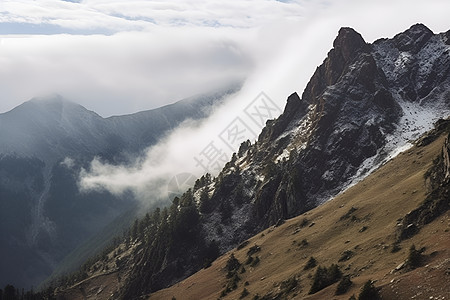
x=117, y=57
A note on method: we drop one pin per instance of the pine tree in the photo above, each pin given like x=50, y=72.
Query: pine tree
x=135, y=230
x=204, y=201
x=369, y=292
x=414, y=257
x=325, y=277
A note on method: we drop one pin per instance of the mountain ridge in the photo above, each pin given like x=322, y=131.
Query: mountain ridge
x=350, y=114
x=357, y=111
x=357, y=230
x=54, y=116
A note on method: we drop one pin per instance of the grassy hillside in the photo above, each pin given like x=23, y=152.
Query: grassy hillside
x=356, y=231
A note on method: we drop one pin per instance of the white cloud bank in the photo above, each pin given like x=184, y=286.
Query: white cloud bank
x=156, y=52
x=164, y=51
x=152, y=52
x=122, y=73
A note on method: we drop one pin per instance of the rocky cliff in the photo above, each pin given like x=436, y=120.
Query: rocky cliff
x=364, y=102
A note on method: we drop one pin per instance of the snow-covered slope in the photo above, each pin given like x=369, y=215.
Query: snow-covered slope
x=418, y=78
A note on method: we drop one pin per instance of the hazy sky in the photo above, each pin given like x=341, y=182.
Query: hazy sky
x=117, y=56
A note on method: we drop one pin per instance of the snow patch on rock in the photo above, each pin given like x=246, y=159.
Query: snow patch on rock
x=416, y=120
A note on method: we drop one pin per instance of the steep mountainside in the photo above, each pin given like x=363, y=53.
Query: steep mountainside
x=358, y=231
x=361, y=231
x=361, y=107
x=43, y=145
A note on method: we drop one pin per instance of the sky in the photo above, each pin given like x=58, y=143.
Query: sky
x=118, y=57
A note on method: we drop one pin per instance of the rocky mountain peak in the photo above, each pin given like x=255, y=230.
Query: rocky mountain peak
x=413, y=39
x=346, y=49
x=293, y=104
x=348, y=43
x=419, y=27
x=44, y=110
x=295, y=108
x=50, y=99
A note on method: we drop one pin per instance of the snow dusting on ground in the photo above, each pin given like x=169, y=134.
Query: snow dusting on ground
x=299, y=134
x=418, y=117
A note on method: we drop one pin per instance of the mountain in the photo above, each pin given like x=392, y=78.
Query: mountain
x=363, y=105
x=358, y=231
x=44, y=144
x=54, y=128
x=361, y=231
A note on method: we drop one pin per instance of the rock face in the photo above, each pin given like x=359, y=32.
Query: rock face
x=43, y=145
x=362, y=104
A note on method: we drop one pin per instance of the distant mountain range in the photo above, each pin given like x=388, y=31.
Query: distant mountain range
x=363, y=105
x=43, y=145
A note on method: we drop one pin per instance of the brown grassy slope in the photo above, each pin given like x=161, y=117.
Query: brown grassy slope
x=380, y=200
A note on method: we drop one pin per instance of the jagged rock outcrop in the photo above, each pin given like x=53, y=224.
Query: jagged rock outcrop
x=347, y=45
x=413, y=39
x=416, y=64
x=346, y=106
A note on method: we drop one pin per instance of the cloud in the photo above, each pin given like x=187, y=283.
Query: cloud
x=120, y=15
x=195, y=147
x=68, y=162
x=158, y=52
x=65, y=14
x=145, y=54
x=122, y=73
x=284, y=54
x=276, y=73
